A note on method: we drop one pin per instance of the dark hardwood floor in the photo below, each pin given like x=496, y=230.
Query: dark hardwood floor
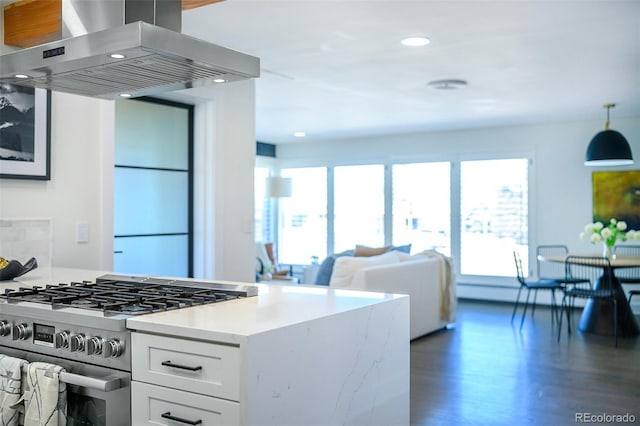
x=485, y=371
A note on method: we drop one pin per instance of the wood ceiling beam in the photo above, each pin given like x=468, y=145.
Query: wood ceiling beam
x=31, y=22
x=191, y=4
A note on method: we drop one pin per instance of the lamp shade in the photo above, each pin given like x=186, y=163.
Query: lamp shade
x=608, y=148
x=278, y=187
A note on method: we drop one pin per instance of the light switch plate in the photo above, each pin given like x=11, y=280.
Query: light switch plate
x=82, y=232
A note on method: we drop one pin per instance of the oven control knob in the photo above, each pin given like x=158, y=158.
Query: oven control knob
x=21, y=331
x=61, y=339
x=94, y=345
x=76, y=343
x=113, y=348
x=5, y=328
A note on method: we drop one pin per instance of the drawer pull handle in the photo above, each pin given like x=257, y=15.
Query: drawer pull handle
x=182, y=367
x=168, y=415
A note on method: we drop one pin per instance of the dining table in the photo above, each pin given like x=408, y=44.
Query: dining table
x=597, y=314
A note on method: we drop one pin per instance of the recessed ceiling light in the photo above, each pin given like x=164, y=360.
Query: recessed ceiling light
x=415, y=41
x=21, y=76
x=447, y=84
x=117, y=56
x=219, y=80
x=125, y=95
x=299, y=134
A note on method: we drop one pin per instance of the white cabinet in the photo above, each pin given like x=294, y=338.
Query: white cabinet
x=178, y=381
x=206, y=368
x=157, y=405
x=294, y=355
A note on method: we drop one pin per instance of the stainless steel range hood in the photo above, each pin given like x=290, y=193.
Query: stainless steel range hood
x=152, y=59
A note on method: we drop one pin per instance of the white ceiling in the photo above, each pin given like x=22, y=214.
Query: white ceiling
x=336, y=69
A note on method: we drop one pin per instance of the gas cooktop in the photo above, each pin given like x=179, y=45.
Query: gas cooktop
x=117, y=294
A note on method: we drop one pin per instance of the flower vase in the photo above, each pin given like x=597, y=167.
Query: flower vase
x=608, y=252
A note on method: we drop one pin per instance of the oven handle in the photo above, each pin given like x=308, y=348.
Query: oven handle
x=104, y=385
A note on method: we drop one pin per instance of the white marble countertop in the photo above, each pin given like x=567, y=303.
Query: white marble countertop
x=276, y=306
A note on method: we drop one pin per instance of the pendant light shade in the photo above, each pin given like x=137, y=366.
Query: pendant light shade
x=608, y=147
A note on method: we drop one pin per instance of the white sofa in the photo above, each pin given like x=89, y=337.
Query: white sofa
x=427, y=278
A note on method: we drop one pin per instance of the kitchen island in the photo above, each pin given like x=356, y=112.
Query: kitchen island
x=293, y=355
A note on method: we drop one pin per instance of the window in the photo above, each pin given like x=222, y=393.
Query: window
x=358, y=206
x=303, y=217
x=493, y=215
x=421, y=206
x=473, y=210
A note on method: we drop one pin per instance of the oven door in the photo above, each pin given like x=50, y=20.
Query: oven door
x=96, y=396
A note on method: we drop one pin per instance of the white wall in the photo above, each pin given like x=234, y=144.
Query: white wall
x=80, y=189
x=236, y=149
x=561, y=193
x=224, y=162
x=81, y=185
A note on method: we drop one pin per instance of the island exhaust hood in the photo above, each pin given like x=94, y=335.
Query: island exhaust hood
x=125, y=48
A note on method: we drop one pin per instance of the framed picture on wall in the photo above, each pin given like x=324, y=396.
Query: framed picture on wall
x=617, y=194
x=25, y=132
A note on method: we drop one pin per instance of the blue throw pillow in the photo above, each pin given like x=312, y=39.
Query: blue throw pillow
x=404, y=249
x=326, y=267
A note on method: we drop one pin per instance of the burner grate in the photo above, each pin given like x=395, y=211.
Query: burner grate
x=113, y=297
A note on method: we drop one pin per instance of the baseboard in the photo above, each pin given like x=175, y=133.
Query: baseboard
x=498, y=293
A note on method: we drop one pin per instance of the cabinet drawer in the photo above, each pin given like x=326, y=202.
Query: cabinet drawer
x=155, y=405
x=205, y=368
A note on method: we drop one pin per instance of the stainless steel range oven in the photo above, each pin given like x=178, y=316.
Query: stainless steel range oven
x=82, y=327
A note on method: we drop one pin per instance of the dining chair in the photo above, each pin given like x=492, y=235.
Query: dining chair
x=628, y=275
x=554, y=270
x=535, y=285
x=596, y=282
x=631, y=294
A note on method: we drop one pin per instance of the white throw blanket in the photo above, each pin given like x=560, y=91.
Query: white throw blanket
x=10, y=389
x=45, y=396
x=448, y=300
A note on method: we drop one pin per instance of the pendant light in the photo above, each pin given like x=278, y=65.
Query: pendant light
x=608, y=147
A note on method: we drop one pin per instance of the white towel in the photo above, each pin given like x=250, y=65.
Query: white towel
x=45, y=396
x=10, y=389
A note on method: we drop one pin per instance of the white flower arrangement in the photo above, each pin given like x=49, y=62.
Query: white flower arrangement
x=610, y=234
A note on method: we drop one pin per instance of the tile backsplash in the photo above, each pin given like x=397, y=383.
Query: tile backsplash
x=22, y=239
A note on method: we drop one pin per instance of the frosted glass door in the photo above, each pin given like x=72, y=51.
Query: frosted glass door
x=152, y=189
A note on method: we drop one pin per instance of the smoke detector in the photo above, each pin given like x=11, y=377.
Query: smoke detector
x=447, y=84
